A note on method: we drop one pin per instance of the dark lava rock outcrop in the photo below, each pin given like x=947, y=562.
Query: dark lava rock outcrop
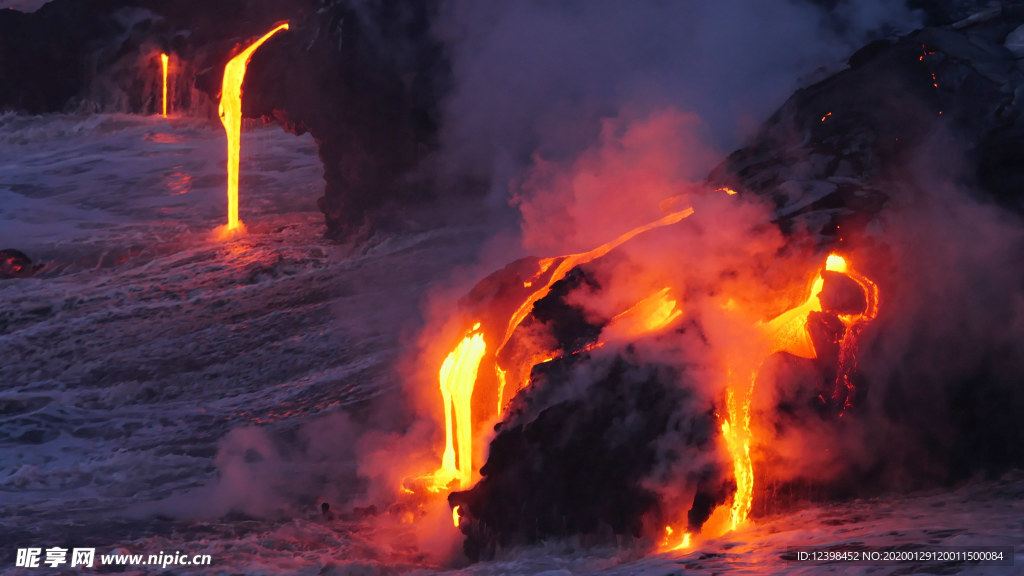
x=573, y=455
x=363, y=78
x=829, y=155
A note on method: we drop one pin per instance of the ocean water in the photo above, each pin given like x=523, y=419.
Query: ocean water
x=144, y=345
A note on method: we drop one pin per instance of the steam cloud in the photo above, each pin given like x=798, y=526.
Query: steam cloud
x=541, y=79
x=589, y=117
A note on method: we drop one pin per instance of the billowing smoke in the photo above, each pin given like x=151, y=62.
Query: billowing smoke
x=538, y=80
x=946, y=360
x=597, y=118
x=591, y=118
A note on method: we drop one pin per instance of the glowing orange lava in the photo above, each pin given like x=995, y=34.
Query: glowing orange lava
x=457, y=379
x=231, y=117
x=460, y=368
x=165, y=62
x=645, y=317
x=669, y=544
x=564, y=265
x=787, y=332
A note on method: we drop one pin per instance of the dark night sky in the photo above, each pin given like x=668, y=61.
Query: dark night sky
x=23, y=5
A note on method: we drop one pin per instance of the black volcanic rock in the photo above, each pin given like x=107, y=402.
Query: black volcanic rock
x=829, y=156
x=573, y=456
x=363, y=78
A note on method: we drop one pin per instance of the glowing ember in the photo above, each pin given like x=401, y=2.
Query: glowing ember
x=165, y=62
x=826, y=116
x=231, y=117
x=457, y=378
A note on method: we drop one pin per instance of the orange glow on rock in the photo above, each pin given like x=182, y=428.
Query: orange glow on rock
x=165, y=61
x=231, y=116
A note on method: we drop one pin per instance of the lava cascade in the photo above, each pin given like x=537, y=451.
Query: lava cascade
x=164, y=64
x=231, y=116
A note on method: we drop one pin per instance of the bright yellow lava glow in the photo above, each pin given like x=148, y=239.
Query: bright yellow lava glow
x=455, y=516
x=231, y=117
x=165, y=62
x=647, y=316
x=459, y=371
x=787, y=332
x=682, y=544
x=457, y=379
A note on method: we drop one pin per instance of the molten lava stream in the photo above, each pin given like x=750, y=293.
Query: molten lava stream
x=459, y=371
x=165, y=63
x=565, y=264
x=787, y=332
x=647, y=316
x=231, y=117
x=457, y=380
x=670, y=545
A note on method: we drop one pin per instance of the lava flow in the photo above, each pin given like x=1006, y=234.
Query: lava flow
x=670, y=545
x=649, y=315
x=165, y=62
x=565, y=264
x=231, y=117
x=458, y=378
x=459, y=372
x=787, y=332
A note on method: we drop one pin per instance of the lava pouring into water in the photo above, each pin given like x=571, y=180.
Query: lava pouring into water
x=787, y=332
x=459, y=372
x=669, y=545
x=231, y=116
x=457, y=379
x=165, y=63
